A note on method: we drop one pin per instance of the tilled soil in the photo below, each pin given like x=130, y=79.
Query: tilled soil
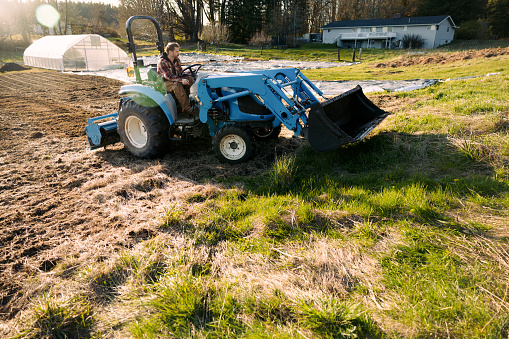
x=61, y=202
x=43, y=163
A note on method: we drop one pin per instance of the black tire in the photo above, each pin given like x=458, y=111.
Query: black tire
x=233, y=144
x=143, y=130
x=266, y=133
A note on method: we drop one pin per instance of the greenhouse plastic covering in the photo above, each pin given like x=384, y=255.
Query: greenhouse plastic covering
x=88, y=52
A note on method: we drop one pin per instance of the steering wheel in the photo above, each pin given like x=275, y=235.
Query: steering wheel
x=193, y=69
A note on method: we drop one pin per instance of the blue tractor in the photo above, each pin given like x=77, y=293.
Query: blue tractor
x=235, y=109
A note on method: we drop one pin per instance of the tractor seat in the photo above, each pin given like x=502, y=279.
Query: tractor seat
x=152, y=74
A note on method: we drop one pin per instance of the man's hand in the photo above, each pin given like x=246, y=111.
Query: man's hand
x=185, y=82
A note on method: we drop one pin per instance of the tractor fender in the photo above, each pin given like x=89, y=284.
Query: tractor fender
x=155, y=98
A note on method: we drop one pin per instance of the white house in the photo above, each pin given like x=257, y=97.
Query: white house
x=388, y=33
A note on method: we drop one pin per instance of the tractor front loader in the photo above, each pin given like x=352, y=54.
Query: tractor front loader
x=235, y=109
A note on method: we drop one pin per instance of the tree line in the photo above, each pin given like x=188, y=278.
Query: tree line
x=19, y=18
x=243, y=21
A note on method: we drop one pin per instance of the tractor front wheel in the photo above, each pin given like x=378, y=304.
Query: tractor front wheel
x=232, y=144
x=143, y=130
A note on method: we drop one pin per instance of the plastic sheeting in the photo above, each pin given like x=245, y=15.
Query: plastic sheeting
x=88, y=52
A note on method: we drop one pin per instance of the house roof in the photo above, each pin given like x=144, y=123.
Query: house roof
x=423, y=20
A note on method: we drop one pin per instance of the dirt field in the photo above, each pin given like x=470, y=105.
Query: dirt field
x=60, y=201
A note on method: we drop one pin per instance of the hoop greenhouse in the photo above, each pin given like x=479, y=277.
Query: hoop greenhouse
x=87, y=52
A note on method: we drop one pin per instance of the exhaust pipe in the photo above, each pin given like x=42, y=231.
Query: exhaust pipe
x=341, y=120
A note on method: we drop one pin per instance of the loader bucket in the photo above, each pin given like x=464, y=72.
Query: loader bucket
x=341, y=120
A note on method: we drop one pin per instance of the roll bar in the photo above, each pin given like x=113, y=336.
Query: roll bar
x=131, y=47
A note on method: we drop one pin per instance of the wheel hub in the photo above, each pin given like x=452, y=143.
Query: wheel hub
x=136, y=132
x=233, y=147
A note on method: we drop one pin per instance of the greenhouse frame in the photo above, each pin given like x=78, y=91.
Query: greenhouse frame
x=86, y=52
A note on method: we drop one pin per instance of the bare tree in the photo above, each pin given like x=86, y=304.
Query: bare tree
x=211, y=9
x=260, y=39
x=6, y=21
x=170, y=23
x=216, y=33
x=188, y=17
x=23, y=24
x=153, y=8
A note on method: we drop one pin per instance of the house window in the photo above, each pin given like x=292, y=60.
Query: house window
x=328, y=31
x=438, y=27
x=405, y=28
x=354, y=30
x=448, y=29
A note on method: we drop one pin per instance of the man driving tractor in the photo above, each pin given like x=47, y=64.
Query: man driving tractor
x=170, y=69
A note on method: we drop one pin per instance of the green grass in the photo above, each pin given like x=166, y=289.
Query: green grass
x=56, y=319
x=366, y=71
x=188, y=306
x=440, y=291
x=430, y=284
x=457, y=95
x=7, y=56
x=411, y=197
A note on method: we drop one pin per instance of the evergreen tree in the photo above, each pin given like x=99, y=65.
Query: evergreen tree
x=243, y=19
x=460, y=11
x=498, y=17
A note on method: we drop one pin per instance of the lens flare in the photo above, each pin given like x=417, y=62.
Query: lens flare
x=47, y=15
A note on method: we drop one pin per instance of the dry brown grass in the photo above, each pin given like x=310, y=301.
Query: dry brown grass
x=442, y=58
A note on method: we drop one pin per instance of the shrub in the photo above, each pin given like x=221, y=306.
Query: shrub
x=110, y=32
x=215, y=33
x=260, y=39
x=412, y=41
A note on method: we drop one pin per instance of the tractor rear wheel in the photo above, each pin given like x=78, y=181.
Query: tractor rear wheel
x=233, y=144
x=143, y=130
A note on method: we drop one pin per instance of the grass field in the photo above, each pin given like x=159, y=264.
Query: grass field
x=402, y=235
